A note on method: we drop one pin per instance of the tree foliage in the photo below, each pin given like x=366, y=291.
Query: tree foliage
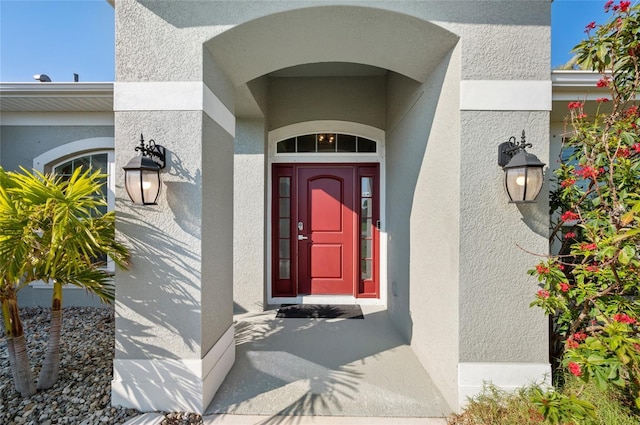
x=592, y=287
x=51, y=229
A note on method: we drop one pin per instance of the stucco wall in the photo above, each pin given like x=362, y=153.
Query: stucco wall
x=249, y=218
x=431, y=145
x=20, y=144
x=159, y=299
x=422, y=218
x=217, y=232
x=356, y=99
x=496, y=322
x=494, y=32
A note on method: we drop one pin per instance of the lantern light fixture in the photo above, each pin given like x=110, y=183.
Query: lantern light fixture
x=142, y=173
x=523, y=171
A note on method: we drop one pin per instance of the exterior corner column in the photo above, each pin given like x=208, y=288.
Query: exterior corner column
x=174, y=307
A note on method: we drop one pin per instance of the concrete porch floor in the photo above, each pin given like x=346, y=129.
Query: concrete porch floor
x=325, y=368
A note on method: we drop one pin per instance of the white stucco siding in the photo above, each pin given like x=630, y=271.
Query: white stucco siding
x=351, y=99
x=158, y=300
x=423, y=224
x=249, y=216
x=495, y=33
x=365, y=35
x=458, y=288
x=496, y=322
x=217, y=231
x=501, y=51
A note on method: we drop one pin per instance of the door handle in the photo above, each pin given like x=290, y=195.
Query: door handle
x=302, y=237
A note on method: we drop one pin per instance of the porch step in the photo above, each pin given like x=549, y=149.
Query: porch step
x=316, y=420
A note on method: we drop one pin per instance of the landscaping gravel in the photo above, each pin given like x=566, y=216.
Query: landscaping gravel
x=82, y=395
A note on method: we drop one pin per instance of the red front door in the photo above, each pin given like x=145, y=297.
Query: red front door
x=325, y=236
x=325, y=225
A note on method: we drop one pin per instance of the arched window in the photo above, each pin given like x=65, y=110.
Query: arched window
x=98, y=161
x=102, y=161
x=87, y=152
x=95, y=154
x=327, y=143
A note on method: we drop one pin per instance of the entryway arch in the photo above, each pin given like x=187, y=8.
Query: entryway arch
x=334, y=33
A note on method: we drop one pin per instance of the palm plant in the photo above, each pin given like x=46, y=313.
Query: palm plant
x=62, y=238
x=13, y=258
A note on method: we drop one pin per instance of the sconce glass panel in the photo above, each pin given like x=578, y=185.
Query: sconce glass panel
x=148, y=183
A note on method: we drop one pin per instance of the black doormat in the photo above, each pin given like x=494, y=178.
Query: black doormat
x=317, y=311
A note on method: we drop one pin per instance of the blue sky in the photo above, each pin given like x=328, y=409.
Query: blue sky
x=63, y=37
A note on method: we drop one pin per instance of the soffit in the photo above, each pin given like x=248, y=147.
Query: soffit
x=576, y=85
x=98, y=97
x=56, y=97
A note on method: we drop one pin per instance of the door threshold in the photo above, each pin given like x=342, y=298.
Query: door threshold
x=325, y=299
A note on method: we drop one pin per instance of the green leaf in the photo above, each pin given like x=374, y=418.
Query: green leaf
x=628, y=138
x=627, y=253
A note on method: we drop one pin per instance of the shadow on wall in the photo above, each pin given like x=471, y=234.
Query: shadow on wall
x=536, y=215
x=168, y=275
x=123, y=389
x=180, y=195
x=411, y=114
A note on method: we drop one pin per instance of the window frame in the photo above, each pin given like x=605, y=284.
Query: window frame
x=48, y=161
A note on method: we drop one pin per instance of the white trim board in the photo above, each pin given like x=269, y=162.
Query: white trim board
x=505, y=95
x=186, y=385
x=71, y=119
x=173, y=96
x=507, y=376
x=326, y=299
x=72, y=148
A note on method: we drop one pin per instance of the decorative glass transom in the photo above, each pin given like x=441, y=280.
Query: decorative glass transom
x=327, y=143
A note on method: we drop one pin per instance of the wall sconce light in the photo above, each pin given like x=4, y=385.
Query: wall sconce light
x=523, y=177
x=142, y=174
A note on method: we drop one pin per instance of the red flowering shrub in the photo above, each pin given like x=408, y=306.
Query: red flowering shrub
x=572, y=343
x=623, y=318
x=579, y=336
x=575, y=105
x=569, y=216
x=608, y=5
x=591, y=288
x=588, y=246
x=541, y=269
x=568, y=182
x=588, y=172
x=575, y=368
x=543, y=293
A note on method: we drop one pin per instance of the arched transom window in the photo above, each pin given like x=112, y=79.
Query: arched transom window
x=327, y=143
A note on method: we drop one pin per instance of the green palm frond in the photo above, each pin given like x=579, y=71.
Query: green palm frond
x=51, y=228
